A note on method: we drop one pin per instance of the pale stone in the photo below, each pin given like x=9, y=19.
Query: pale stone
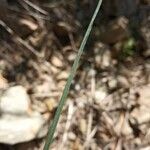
x=62, y=75
x=71, y=136
x=17, y=129
x=77, y=87
x=100, y=95
x=57, y=61
x=112, y=84
x=15, y=100
x=83, y=126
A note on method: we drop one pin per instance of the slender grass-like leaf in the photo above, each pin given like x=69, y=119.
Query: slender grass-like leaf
x=53, y=126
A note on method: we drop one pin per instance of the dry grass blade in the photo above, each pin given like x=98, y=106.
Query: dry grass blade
x=36, y=7
x=70, y=78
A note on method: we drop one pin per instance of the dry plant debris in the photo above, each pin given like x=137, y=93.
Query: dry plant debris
x=108, y=106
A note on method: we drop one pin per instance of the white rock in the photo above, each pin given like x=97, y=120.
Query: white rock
x=17, y=129
x=100, y=95
x=16, y=125
x=15, y=100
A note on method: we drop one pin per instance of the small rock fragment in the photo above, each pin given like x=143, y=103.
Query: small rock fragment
x=57, y=61
x=61, y=84
x=100, y=95
x=17, y=122
x=17, y=129
x=15, y=100
x=83, y=126
x=62, y=75
x=71, y=136
x=112, y=84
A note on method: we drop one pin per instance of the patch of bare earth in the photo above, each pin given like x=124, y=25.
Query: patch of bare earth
x=109, y=101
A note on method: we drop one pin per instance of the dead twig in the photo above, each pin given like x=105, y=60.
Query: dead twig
x=71, y=110
x=36, y=7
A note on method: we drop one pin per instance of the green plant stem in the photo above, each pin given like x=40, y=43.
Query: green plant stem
x=53, y=126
